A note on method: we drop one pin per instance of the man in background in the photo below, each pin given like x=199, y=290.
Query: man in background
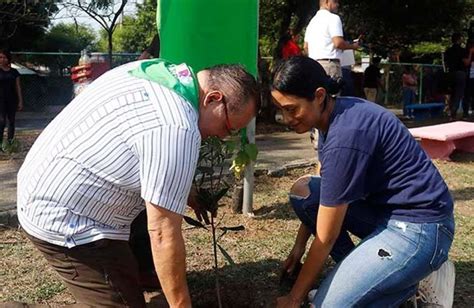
x=372, y=80
x=324, y=38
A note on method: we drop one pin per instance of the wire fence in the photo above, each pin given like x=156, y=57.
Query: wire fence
x=46, y=76
x=49, y=83
x=431, y=82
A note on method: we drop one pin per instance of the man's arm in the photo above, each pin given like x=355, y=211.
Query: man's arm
x=169, y=256
x=305, y=48
x=328, y=224
x=340, y=43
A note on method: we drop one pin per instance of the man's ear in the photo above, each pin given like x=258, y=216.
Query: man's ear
x=212, y=96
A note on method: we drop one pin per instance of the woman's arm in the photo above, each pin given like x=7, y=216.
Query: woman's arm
x=18, y=93
x=328, y=224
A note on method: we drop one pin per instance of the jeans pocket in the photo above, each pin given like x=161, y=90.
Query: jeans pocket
x=444, y=239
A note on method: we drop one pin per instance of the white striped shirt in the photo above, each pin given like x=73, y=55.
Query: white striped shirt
x=121, y=141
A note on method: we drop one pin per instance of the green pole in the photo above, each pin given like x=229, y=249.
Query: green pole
x=203, y=33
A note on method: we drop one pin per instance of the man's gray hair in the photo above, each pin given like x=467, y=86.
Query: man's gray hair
x=239, y=86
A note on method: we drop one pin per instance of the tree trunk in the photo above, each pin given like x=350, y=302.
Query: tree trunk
x=109, y=34
x=237, y=198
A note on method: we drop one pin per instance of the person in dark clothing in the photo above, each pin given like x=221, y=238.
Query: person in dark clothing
x=153, y=50
x=456, y=60
x=11, y=99
x=372, y=80
x=469, y=91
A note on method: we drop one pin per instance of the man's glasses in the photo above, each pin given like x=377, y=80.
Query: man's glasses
x=230, y=130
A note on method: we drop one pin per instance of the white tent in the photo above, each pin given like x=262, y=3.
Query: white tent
x=23, y=70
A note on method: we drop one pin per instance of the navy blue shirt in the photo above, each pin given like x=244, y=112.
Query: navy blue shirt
x=369, y=154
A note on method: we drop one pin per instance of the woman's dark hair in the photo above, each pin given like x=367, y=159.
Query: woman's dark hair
x=301, y=76
x=7, y=54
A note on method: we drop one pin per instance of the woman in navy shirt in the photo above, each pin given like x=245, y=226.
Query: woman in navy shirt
x=376, y=183
x=10, y=96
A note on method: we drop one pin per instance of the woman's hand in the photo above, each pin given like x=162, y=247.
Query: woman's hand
x=20, y=106
x=293, y=258
x=287, y=302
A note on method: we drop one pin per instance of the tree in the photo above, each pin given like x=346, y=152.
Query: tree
x=104, y=12
x=134, y=33
x=386, y=24
x=69, y=38
x=400, y=24
x=22, y=23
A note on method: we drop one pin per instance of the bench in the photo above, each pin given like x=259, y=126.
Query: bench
x=425, y=111
x=439, y=141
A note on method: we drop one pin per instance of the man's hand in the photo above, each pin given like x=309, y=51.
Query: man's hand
x=199, y=209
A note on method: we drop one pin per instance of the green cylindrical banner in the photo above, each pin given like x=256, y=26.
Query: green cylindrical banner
x=203, y=33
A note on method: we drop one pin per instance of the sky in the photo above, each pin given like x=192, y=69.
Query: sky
x=64, y=16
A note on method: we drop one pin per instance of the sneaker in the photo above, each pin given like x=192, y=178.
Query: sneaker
x=312, y=294
x=437, y=290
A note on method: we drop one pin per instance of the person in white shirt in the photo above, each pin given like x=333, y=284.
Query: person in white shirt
x=129, y=141
x=324, y=38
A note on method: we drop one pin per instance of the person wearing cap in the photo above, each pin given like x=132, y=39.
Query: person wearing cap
x=375, y=182
x=129, y=141
x=324, y=38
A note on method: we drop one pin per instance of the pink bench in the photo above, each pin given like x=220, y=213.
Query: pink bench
x=439, y=141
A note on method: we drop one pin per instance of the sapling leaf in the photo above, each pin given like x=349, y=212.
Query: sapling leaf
x=226, y=255
x=230, y=146
x=251, y=150
x=221, y=193
x=194, y=222
x=236, y=228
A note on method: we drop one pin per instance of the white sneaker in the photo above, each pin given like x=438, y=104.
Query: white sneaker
x=312, y=294
x=437, y=290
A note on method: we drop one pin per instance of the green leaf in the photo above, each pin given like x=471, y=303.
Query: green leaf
x=231, y=145
x=242, y=158
x=251, y=150
x=226, y=255
x=236, y=228
x=194, y=222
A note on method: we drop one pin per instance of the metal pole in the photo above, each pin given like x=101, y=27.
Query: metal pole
x=420, y=90
x=387, y=79
x=247, y=206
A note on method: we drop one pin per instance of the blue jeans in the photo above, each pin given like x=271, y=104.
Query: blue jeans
x=409, y=97
x=383, y=270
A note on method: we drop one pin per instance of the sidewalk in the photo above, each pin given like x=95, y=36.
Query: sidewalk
x=277, y=153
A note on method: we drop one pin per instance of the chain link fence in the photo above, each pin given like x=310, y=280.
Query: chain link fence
x=46, y=76
x=432, y=84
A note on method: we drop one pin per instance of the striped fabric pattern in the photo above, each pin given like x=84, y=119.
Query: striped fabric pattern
x=122, y=141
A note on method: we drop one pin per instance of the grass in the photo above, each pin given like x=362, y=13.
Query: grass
x=258, y=251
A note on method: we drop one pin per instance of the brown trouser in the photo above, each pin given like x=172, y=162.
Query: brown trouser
x=99, y=274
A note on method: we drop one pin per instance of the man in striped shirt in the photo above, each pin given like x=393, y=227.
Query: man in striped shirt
x=132, y=135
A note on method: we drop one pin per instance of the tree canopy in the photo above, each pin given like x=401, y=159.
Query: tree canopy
x=68, y=38
x=23, y=23
x=385, y=24
x=135, y=33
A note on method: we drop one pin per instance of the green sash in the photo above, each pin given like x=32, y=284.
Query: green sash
x=179, y=78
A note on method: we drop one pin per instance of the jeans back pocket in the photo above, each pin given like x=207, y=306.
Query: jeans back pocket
x=444, y=239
